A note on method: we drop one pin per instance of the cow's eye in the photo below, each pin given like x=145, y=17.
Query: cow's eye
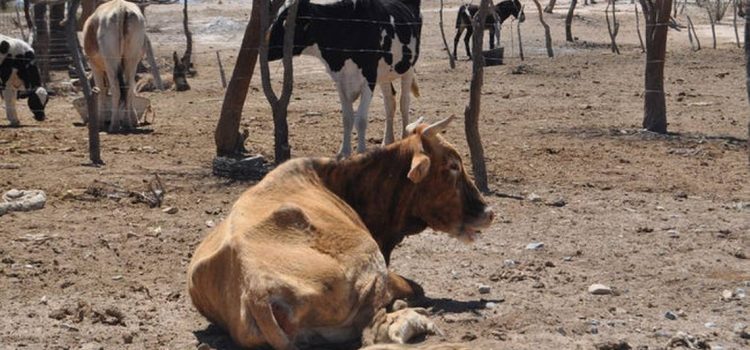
x=455, y=167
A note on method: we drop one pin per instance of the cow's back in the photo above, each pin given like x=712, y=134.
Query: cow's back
x=290, y=243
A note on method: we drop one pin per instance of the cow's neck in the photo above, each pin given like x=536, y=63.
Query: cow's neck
x=376, y=186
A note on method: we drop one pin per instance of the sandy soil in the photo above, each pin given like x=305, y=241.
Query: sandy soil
x=663, y=220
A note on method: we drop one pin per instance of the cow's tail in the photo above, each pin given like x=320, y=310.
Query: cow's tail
x=121, y=65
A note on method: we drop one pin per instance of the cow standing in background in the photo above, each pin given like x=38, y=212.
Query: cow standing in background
x=113, y=40
x=362, y=43
x=19, y=77
x=302, y=256
x=467, y=12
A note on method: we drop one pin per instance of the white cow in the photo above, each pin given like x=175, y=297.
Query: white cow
x=114, y=38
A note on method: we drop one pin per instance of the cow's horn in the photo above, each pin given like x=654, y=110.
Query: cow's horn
x=413, y=126
x=438, y=127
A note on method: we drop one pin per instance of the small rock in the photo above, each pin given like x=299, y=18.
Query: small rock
x=558, y=202
x=490, y=305
x=538, y=285
x=535, y=246
x=484, y=289
x=727, y=294
x=567, y=258
x=673, y=234
x=210, y=223
x=170, y=210
x=594, y=330
x=43, y=301
x=670, y=315
x=740, y=293
x=533, y=197
x=509, y=263
x=117, y=278
x=562, y=331
x=599, y=289
x=710, y=324
x=611, y=345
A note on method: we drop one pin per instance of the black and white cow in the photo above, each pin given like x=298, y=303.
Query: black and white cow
x=20, y=78
x=466, y=13
x=362, y=43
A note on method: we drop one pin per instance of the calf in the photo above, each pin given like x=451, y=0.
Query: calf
x=467, y=12
x=19, y=77
x=362, y=43
x=114, y=39
x=302, y=256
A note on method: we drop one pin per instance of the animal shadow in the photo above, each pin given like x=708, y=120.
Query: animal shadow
x=445, y=305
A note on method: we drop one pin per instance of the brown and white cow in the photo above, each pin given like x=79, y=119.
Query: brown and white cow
x=298, y=259
x=113, y=40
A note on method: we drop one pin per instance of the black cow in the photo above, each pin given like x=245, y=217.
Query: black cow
x=466, y=13
x=362, y=43
x=20, y=78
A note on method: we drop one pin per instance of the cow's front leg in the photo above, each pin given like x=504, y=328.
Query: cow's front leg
x=492, y=37
x=9, y=95
x=364, y=105
x=403, y=288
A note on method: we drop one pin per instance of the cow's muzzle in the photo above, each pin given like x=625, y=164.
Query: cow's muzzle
x=472, y=227
x=39, y=116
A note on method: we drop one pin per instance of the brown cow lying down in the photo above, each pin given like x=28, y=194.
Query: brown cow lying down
x=294, y=263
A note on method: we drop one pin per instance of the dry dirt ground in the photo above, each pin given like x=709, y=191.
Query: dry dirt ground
x=663, y=220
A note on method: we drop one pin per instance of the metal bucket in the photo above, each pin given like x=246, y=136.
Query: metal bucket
x=493, y=57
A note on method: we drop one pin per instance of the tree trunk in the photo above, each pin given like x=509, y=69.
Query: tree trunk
x=613, y=27
x=657, y=14
x=41, y=40
x=282, y=150
x=520, y=43
x=547, y=34
x=187, y=57
x=550, y=6
x=229, y=141
x=93, y=125
x=451, y=62
x=735, y=7
x=712, y=21
x=472, y=111
x=569, y=21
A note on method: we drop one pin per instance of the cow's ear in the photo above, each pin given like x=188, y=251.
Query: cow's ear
x=21, y=94
x=4, y=47
x=420, y=166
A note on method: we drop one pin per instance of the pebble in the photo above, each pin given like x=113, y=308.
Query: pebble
x=117, y=278
x=43, y=301
x=210, y=223
x=670, y=315
x=170, y=210
x=533, y=197
x=538, y=285
x=567, y=258
x=535, y=246
x=509, y=263
x=599, y=289
x=740, y=293
x=710, y=324
x=490, y=305
x=726, y=294
x=484, y=289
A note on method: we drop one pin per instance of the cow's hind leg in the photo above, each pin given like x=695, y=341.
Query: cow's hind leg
x=389, y=100
x=364, y=105
x=459, y=31
x=492, y=37
x=130, y=117
x=467, y=40
x=347, y=112
x=406, y=83
x=115, y=108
